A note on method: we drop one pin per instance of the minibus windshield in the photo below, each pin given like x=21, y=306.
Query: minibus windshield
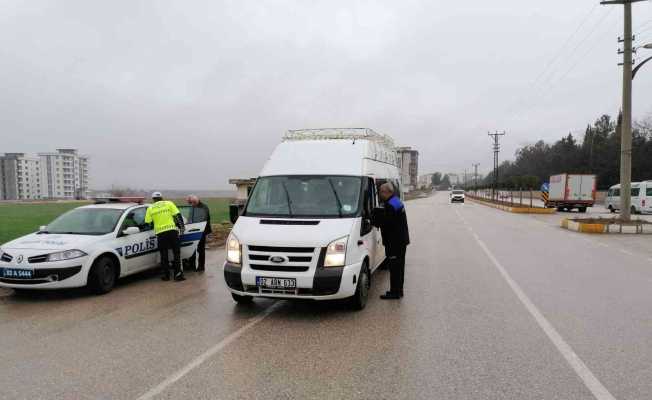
x=305, y=196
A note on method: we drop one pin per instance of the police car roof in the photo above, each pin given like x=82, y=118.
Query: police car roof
x=115, y=206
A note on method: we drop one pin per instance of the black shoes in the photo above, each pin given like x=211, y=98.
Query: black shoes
x=179, y=277
x=166, y=276
x=391, y=296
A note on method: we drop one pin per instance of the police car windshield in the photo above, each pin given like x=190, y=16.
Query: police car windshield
x=86, y=221
x=305, y=196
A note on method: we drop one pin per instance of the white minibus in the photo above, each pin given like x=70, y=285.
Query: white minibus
x=305, y=231
x=641, y=198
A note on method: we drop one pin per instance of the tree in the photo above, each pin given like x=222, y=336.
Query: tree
x=436, y=179
x=446, y=181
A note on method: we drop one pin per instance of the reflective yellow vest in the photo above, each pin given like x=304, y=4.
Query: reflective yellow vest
x=162, y=214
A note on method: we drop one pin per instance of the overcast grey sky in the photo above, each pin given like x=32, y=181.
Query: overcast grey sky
x=185, y=94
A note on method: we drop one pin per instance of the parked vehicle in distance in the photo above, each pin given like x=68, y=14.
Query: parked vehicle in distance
x=306, y=232
x=569, y=191
x=92, y=245
x=457, y=196
x=641, y=198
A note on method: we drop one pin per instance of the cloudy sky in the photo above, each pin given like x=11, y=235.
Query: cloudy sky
x=185, y=94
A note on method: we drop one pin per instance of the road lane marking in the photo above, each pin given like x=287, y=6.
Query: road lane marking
x=629, y=253
x=598, y=390
x=202, y=358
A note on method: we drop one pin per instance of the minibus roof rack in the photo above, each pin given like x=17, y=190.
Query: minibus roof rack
x=338, y=133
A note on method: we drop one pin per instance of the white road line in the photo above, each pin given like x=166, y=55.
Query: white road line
x=158, y=389
x=590, y=381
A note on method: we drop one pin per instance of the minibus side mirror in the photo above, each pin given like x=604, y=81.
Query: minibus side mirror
x=366, y=226
x=234, y=212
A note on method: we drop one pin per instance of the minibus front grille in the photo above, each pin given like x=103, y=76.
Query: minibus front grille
x=279, y=268
x=272, y=249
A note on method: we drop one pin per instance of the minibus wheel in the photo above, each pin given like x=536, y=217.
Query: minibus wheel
x=359, y=299
x=242, y=299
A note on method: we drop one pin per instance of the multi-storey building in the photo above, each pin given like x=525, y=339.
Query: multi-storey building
x=66, y=174
x=59, y=175
x=408, y=164
x=21, y=177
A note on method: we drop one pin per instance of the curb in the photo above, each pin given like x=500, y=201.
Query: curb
x=604, y=228
x=515, y=210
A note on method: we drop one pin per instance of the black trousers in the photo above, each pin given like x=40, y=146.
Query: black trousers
x=201, y=253
x=169, y=240
x=396, y=259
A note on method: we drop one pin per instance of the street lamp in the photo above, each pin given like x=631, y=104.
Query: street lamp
x=649, y=47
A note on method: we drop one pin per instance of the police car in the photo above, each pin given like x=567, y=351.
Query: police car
x=92, y=245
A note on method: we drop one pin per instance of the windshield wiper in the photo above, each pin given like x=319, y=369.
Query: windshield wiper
x=337, y=197
x=287, y=194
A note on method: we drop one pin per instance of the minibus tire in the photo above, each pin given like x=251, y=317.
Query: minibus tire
x=582, y=209
x=103, y=276
x=611, y=208
x=633, y=210
x=359, y=300
x=242, y=299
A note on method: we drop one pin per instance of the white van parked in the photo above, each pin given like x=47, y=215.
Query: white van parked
x=641, y=198
x=305, y=232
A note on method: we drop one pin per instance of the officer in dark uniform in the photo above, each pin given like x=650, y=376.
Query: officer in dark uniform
x=392, y=222
x=202, y=213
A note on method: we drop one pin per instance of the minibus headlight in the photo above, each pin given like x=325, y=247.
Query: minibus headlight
x=233, y=250
x=336, y=253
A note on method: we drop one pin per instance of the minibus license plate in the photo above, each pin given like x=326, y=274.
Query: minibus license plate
x=276, y=283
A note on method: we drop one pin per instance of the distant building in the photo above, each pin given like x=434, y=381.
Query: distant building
x=408, y=164
x=59, y=175
x=425, y=181
x=20, y=177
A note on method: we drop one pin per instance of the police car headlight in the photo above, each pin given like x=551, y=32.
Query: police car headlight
x=336, y=253
x=233, y=250
x=66, y=255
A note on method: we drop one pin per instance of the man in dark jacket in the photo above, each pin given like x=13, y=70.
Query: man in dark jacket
x=392, y=222
x=201, y=213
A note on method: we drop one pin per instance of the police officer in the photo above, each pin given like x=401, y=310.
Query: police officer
x=202, y=213
x=168, y=224
x=392, y=221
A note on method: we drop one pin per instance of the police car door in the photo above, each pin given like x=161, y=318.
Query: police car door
x=138, y=251
x=195, y=223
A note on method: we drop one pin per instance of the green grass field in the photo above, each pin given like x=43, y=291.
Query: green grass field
x=20, y=219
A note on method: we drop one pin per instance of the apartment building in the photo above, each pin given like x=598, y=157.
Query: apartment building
x=21, y=177
x=408, y=164
x=58, y=175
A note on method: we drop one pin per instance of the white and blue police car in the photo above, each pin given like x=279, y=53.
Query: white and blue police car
x=92, y=245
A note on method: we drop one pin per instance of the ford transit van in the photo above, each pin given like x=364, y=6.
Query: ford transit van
x=305, y=231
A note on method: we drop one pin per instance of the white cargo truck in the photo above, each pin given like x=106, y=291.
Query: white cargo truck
x=569, y=191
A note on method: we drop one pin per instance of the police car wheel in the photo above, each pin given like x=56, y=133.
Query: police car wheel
x=359, y=299
x=242, y=299
x=102, y=276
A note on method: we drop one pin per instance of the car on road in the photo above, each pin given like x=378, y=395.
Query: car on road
x=641, y=198
x=457, y=196
x=306, y=231
x=92, y=245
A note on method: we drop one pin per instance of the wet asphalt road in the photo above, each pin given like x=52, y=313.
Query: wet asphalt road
x=461, y=332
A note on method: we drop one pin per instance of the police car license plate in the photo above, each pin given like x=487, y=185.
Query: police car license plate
x=17, y=273
x=276, y=283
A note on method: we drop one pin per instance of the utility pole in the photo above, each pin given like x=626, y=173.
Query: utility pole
x=496, y=147
x=626, y=126
x=475, y=177
x=465, y=179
